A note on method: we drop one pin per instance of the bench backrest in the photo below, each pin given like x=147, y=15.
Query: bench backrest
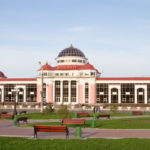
x=73, y=121
x=136, y=112
x=22, y=118
x=6, y=115
x=39, y=128
x=83, y=114
x=23, y=112
x=104, y=115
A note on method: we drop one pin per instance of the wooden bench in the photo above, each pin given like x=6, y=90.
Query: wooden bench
x=103, y=116
x=137, y=113
x=6, y=116
x=83, y=114
x=39, y=128
x=23, y=112
x=73, y=121
x=23, y=119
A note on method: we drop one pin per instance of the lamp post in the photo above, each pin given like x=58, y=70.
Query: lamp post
x=16, y=91
x=41, y=88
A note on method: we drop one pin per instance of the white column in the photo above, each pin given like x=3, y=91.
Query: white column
x=145, y=95
x=2, y=94
x=77, y=92
x=17, y=96
x=54, y=92
x=25, y=99
x=69, y=91
x=119, y=96
x=61, y=92
x=135, y=95
x=109, y=95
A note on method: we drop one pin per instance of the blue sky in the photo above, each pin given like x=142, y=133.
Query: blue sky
x=113, y=34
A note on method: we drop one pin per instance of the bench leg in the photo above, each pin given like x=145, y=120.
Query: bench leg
x=18, y=123
x=25, y=121
x=35, y=133
x=67, y=133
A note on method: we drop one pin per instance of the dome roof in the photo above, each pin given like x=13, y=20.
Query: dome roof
x=2, y=75
x=71, y=51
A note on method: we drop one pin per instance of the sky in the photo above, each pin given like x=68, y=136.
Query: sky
x=113, y=34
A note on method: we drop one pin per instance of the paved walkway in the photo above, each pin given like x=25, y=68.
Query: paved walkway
x=8, y=129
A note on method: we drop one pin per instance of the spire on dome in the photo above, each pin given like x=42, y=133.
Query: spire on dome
x=71, y=45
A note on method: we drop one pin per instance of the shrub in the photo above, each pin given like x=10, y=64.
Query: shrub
x=113, y=108
x=63, y=112
x=49, y=109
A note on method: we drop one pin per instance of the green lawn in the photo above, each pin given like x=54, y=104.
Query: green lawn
x=134, y=123
x=41, y=116
x=7, y=143
x=72, y=115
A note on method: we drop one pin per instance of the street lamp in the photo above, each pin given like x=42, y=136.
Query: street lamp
x=41, y=88
x=15, y=91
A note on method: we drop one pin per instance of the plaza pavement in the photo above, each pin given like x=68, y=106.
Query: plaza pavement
x=7, y=128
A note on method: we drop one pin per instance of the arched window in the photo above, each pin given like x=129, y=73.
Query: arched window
x=20, y=95
x=114, y=95
x=140, y=95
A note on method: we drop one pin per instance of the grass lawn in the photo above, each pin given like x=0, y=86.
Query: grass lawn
x=72, y=115
x=134, y=123
x=7, y=143
x=41, y=116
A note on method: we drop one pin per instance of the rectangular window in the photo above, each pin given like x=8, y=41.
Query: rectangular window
x=102, y=93
x=65, y=91
x=56, y=74
x=127, y=93
x=8, y=95
x=31, y=92
x=73, y=91
x=57, y=91
x=92, y=73
x=73, y=60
